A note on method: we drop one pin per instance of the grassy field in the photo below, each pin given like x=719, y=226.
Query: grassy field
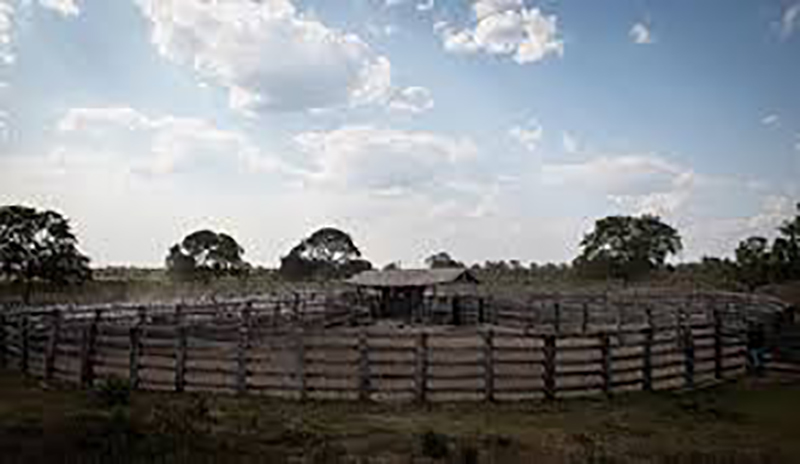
x=750, y=422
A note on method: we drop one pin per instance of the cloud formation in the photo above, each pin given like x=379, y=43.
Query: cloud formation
x=640, y=34
x=63, y=7
x=790, y=20
x=528, y=135
x=155, y=145
x=413, y=100
x=642, y=183
x=268, y=55
x=384, y=160
x=506, y=27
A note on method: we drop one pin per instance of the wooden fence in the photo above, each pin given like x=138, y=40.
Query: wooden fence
x=240, y=346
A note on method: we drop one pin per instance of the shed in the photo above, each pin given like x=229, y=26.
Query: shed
x=401, y=292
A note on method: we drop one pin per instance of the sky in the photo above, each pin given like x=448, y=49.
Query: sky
x=491, y=129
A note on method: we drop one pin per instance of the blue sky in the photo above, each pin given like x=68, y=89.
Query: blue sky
x=493, y=129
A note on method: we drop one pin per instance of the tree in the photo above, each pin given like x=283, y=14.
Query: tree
x=39, y=245
x=442, y=260
x=393, y=266
x=206, y=253
x=786, y=248
x=754, y=262
x=627, y=246
x=328, y=252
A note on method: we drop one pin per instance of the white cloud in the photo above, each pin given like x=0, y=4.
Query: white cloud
x=770, y=120
x=384, y=160
x=426, y=5
x=790, y=20
x=640, y=34
x=4, y=129
x=507, y=27
x=412, y=100
x=569, y=142
x=63, y=7
x=268, y=55
x=528, y=135
x=7, y=16
x=154, y=145
x=643, y=183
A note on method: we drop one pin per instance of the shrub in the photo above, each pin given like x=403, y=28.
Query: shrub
x=113, y=391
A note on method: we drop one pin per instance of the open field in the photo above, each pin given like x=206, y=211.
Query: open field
x=747, y=422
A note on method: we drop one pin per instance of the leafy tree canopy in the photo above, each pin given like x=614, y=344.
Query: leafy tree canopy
x=442, y=260
x=39, y=245
x=758, y=263
x=628, y=246
x=328, y=252
x=204, y=253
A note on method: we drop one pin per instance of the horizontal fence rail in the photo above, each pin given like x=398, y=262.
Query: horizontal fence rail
x=556, y=348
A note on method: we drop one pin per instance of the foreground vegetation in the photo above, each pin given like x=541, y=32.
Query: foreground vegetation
x=751, y=422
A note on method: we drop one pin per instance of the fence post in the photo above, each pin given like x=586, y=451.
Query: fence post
x=557, y=317
x=296, y=308
x=481, y=311
x=688, y=350
x=605, y=352
x=550, y=367
x=488, y=364
x=364, y=384
x=647, y=368
x=133, y=360
x=585, y=321
x=52, y=346
x=87, y=351
x=3, y=360
x=241, y=350
x=717, y=345
x=180, y=351
x=422, y=367
x=300, y=362
x=25, y=342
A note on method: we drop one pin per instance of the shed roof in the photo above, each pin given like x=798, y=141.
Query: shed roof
x=412, y=277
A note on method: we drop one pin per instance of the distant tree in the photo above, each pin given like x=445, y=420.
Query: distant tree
x=627, y=246
x=39, y=245
x=393, y=266
x=786, y=248
x=328, y=252
x=206, y=254
x=754, y=262
x=442, y=260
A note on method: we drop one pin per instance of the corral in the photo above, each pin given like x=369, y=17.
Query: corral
x=308, y=346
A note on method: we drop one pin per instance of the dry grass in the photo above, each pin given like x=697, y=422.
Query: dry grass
x=750, y=422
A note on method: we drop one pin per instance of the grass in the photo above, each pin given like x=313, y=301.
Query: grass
x=742, y=423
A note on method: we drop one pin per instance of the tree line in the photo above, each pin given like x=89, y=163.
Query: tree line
x=39, y=245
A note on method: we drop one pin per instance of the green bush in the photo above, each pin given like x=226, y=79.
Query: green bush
x=113, y=391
